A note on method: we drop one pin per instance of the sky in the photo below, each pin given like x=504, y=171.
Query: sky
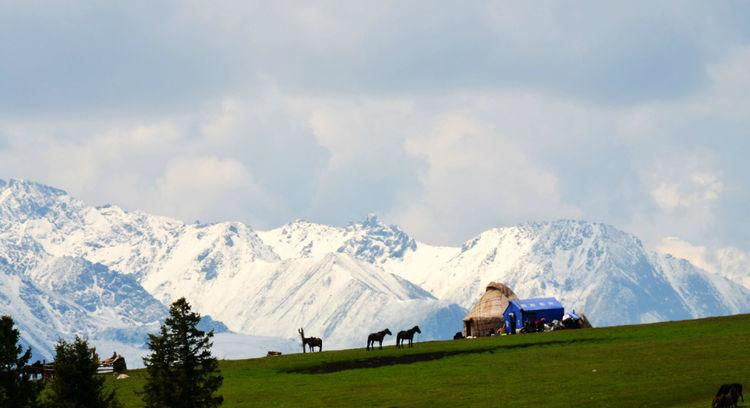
x=446, y=118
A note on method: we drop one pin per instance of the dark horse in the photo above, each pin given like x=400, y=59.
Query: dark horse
x=727, y=396
x=373, y=337
x=404, y=335
x=310, y=342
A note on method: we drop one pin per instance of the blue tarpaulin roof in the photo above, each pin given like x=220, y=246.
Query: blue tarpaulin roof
x=539, y=304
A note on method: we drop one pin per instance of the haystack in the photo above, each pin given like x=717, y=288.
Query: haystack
x=487, y=315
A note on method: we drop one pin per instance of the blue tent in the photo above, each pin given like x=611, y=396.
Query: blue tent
x=532, y=309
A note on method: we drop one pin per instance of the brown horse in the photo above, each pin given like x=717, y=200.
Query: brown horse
x=310, y=342
x=379, y=336
x=404, y=335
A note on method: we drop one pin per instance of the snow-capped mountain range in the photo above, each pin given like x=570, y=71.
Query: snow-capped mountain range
x=67, y=268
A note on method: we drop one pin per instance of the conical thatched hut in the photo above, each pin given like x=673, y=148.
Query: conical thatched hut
x=487, y=315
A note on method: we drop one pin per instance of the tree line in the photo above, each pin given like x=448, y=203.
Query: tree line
x=181, y=372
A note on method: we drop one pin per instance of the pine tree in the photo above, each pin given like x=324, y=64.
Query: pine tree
x=76, y=383
x=181, y=371
x=16, y=387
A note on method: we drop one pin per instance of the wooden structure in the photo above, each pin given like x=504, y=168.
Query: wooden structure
x=486, y=317
x=115, y=364
x=42, y=370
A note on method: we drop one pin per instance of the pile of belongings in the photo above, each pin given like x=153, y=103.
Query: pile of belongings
x=536, y=326
x=573, y=320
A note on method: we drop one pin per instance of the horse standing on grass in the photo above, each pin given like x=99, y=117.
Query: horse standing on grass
x=310, y=342
x=379, y=336
x=404, y=335
x=727, y=396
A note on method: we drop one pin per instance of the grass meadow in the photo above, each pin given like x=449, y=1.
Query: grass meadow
x=676, y=364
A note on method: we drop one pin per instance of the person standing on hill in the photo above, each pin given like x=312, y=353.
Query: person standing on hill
x=512, y=318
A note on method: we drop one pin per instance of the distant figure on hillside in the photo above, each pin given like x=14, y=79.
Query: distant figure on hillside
x=310, y=342
x=379, y=336
x=406, y=335
x=512, y=317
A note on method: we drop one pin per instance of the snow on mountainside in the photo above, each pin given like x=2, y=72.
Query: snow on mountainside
x=337, y=283
x=226, y=270
x=369, y=240
x=53, y=291
x=703, y=293
x=64, y=296
x=591, y=267
x=335, y=297
x=60, y=297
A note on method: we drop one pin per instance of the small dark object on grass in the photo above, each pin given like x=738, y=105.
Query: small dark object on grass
x=458, y=336
x=273, y=353
x=727, y=396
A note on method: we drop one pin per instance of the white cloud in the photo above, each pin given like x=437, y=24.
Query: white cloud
x=206, y=186
x=473, y=178
x=696, y=188
x=683, y=190
x=734, y=264
x=697, y=255
x=442, y=121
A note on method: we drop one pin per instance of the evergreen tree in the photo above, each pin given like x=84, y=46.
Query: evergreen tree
x=181, y=371
x=76, y=383
x=16, y=387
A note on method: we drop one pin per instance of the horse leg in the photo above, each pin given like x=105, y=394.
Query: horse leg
x=381, y=344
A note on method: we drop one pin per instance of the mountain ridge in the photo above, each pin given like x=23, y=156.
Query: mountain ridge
x=341, y=282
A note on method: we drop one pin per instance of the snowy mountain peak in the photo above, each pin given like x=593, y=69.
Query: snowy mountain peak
x=371, y=220
x=375, y=242
x=31, y=187
x=369, y=240
x=302, y=238
x=20, y=199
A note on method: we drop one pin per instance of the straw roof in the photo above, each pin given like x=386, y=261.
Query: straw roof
x=493, y=303
x=487, y=314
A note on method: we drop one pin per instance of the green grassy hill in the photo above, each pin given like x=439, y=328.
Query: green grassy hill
x=678, y=364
